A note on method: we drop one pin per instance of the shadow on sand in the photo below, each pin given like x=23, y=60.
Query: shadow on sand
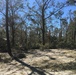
x=36, y=70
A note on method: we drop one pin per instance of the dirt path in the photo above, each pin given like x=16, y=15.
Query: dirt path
x=51, y=62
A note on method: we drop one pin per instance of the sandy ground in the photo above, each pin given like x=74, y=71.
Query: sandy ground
x=51, y=62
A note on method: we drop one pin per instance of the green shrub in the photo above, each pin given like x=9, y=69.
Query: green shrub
x=35, y=46
x=61, y=44
x=71, y=44
x=3, y=45
x=46, y=46
x=42, y=47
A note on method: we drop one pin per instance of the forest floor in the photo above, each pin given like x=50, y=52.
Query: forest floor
x=49, y=61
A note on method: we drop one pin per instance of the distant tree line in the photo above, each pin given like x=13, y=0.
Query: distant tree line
x=36, y=26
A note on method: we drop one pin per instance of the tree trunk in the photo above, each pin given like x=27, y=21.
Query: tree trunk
x=13, y=34
x=13, y=31
x=74, y=36
x=7, y=31
x=43, y=27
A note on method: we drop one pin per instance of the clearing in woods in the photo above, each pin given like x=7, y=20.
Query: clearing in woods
x=50, y=61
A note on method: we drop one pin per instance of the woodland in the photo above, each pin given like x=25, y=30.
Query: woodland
x=36, y=30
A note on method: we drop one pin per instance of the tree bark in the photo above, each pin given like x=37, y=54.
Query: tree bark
x=13, y=31
x=7, y=31
x=43, y=27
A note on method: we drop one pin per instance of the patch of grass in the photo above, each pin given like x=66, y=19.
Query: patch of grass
x=60, y=67
x=5, y=58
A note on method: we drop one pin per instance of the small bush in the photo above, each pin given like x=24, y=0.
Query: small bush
x=41, y=47
x=46, y=46
x=71, y=44
x=36, y=46
x=21, y=56
x=3, y=45
x=61, y=44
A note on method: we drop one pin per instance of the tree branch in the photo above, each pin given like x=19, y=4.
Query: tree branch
x=56, y=11
x=47, y=3
x=2, y=13
x=34, y=11
x=37, y=3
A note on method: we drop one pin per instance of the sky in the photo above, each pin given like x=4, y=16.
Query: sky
x=65, y=9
